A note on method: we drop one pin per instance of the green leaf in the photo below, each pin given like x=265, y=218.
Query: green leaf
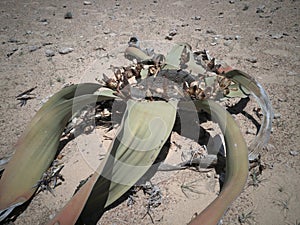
x=143, y=132
x=136, y=53
x=37, y=147
x=236, y=160
x=253, y=87
x=237, y=91
x=173, y=59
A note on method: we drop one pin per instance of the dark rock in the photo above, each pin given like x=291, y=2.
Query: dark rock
x=68, y=15
x=252, y=59
x=246, y=7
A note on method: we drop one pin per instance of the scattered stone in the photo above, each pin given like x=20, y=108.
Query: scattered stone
x=49, y=53
x=107, y=31
x=228, y=38
x=12, y=52
x=196, y=18
x=260, y=9
x=28, y=32
x=172, y=32
x=43, y=20
x=252, y=59
x=68, y=15
x=211, y=32
x=168, y=37
x=13, y=40
x=221, y=15
x=294, y=153
x=66, y=50
x=198, y=29
x=231, y=2
x=246, y=7
x=87, y=3
x=33, y=48
x=47, y=43
x=276, y=36
x=117, y=3
x=237, y=37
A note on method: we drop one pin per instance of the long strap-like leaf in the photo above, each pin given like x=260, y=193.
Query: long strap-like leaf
x=236, y=162
x=264, y=102
x=36, y=149
x=143, y=132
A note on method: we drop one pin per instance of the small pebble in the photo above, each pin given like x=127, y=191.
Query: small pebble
x=65, y=50
x=107, y=31
x=68, y=15
x=294, y=153
x=260, y=9
x=28, y=32
x=210, y=32
x=197, y=18
x=276, y=36
x=13, y=40
x=252, y=59
x=168, y=37
x=12, y=52
x=33, y=48
x=246, y=7
x=172, y=32
x=228, y=38
x=43, y=20
x=49, y=53
x=87, y=3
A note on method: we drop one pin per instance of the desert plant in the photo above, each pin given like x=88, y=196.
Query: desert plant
x=155, y=89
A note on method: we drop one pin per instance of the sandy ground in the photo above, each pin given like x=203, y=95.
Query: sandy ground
x=258, y=37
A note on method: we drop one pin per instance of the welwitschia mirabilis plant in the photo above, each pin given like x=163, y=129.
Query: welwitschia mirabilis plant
x=186, y=82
